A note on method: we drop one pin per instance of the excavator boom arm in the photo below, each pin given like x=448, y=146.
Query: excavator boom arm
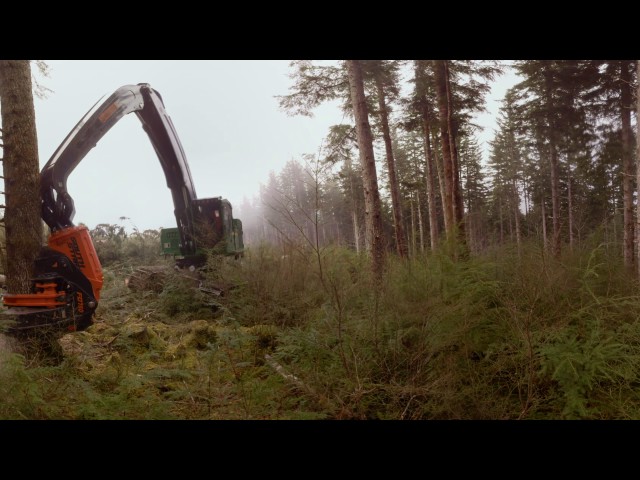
x=57, y=204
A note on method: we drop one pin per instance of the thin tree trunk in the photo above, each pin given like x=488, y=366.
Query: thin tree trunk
x=354, y=205
x=447, y=161
x=627, y=163
x=638, y=166
x=413, y=228
x=615, y=221
x=401, y=238
x=473, y=231
x=434, y=231
x=373, y=210
x=510, y=218
x=356, y=231
x=554, y=174
x=23, y=223
x=470, y=206
x=527, y=198
x=544, y=226
x=501, y=221
x=420, y=223
x=516, y=214
x=439, y=171
x=555, y=200
x=458, y=205
x=570, y=207
x=425, y=111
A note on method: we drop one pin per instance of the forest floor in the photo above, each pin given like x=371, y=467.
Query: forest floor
x=150, y=354
x=511, y=335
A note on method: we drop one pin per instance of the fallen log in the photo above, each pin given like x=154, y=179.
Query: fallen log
x=148, y=278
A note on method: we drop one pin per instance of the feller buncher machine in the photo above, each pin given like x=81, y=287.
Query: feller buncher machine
x=68, y=276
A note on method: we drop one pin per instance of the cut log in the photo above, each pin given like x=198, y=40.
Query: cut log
x=149, y=278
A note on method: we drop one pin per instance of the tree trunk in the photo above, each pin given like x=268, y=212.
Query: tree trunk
x=434, y=231
x=555, y=200
x=438, y=163
x=420, y=223
x=401, y=237
x=373, y=210
x=544, y=226
x=425, y=111
x=354, y=205
x=23, y=223
x=356, y=231
x=554, y=174
x=501, y=221
x=516, y=215
x=413, y=227
x=511, y=229
x=468, y=204
x=638, y=165
x=627, y=163
x=570, y=208
x=447, y=162
x=458, y=205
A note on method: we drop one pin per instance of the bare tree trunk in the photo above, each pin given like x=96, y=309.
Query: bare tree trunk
x=544, y=226
x=356, y=231
x=373, y=210
x=469, y=221
x=501, y=221
x=413, y=227
x=23, y=223
x=447, y=161
x=401, y=237
x=474, y=233
x=516, y=215
x=555, y=176
x=510, y=219
x=555, y=200
x=439, y=171
x=615, y=221
x=627, y=163
x=638, y=166
x=434, y=231
x=458, y=205
x=570, y=207
x=420, y=223
x=425, y=110
x=354, y=206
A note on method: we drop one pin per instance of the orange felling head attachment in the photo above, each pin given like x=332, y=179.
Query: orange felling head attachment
x=76, y=244
x=46, y=296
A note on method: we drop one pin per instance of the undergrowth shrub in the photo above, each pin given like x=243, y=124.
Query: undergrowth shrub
x=180, y=299
x=593, y=360
x=276, y=289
